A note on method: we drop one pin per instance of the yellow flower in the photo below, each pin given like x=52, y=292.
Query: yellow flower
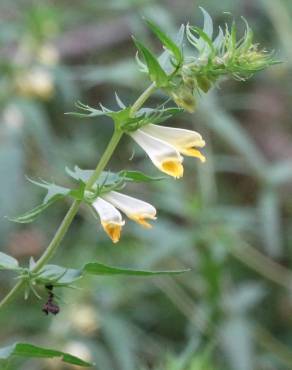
x=111, y=219
x=164, y=146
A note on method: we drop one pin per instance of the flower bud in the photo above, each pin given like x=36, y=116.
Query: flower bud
x=185, y=99
x=204, y=83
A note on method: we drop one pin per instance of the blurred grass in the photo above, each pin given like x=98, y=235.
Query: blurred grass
x=229, y=220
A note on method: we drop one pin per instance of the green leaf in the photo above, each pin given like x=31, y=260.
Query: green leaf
x=7, y=262
x=53, y=189
x=62, y=276
x=137, y=176
x=165, y=58
x=29, y=350
x=166, y=41
x=91, y=112
x=156, y=73
x=31, y=215
x=204, y=37
x=54, y=193
x=57, y=275
x=96, y=268
x=208, y=23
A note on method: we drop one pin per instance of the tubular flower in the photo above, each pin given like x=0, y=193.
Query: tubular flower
x=163, y=155
x=136, y=209
x=111, y=219
x=164, y=146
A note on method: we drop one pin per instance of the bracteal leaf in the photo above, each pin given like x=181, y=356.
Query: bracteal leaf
x=166, y=41
x=156, y=73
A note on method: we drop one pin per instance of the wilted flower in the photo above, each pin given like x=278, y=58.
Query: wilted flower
x=36, y=83
x=111, y=219
x=164, y=146
x=48, y=55
x=85, y=319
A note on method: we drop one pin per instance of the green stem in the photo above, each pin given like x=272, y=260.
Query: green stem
x=142, y=98
x=105, y=158
x=64, y=226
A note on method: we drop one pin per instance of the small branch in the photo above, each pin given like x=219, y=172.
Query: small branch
x=63, y=228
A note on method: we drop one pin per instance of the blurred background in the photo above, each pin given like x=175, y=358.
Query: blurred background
x=229, y=220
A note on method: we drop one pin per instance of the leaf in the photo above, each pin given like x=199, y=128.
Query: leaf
x=208, y=23
x=205, y=38
x=92, y=112
x=165, y=58
x=156, y=73
x=7, y=262
x=52, y=189
x=96, y=268
x=166, y=41
x=138, y=176
x=119, y=102
x=54, y=193
x=57, y=275
x=31, y=215
x=30, y=350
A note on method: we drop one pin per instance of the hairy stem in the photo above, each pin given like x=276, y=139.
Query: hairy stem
x=64, y=226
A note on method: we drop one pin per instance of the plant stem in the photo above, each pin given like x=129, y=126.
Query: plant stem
x=142, y=98
x=64, y=226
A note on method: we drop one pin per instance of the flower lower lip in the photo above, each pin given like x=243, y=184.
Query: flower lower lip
x=172, y=168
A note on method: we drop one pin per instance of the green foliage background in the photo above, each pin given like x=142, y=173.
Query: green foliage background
x=229, y=220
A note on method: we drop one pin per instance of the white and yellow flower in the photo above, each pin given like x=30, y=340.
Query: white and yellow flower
x=164, y=146
x=111, y=219
x=135, y=209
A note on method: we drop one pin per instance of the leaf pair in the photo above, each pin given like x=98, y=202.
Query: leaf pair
x=124, y=119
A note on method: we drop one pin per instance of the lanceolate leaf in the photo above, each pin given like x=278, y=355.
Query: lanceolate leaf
x=54, y=193
x=29, y=350
x=156, y=73
x=61, y=276
x=31, y=215
x=53, y=189
x=96, y=268
x=91, y=112
x=166, y=41
x=7, y=262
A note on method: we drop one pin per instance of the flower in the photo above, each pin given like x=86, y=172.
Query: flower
x=164, y=146
x=135, y=209
x=111, y=219
x=38, y=82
